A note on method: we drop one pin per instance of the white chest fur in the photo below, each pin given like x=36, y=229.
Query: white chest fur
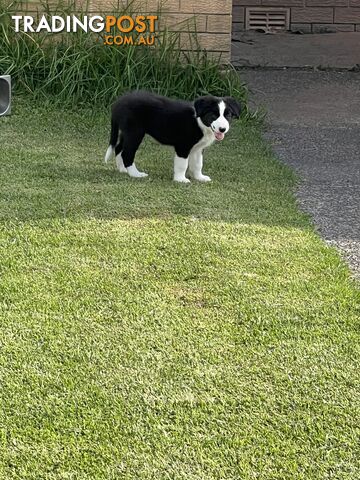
x=206, y=140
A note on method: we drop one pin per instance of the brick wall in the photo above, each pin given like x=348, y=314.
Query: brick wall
x=210, y=18
x=309, y=16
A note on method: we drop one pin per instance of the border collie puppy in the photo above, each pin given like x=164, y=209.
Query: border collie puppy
x=188, y=127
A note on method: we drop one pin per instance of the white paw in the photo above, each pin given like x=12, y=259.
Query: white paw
x=120, y=165
x=202, y=178
x=138, y=174
x=134, y=172
x=181, y=180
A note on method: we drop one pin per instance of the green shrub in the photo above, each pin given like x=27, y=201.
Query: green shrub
x=76, y=68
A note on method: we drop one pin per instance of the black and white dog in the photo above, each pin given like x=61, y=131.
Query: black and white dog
x=188, y=127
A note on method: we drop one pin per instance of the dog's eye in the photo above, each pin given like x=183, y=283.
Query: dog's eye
x=227, y=113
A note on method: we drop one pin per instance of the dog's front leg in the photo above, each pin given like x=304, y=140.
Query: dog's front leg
x=195, y=166
x=180, y=167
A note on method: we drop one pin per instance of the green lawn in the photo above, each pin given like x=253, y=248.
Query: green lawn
x=151, y=330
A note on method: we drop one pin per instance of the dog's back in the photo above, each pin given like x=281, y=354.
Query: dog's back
x=160, y=117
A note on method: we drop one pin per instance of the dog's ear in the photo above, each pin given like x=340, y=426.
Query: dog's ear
x=201, y=105
x=234, y=106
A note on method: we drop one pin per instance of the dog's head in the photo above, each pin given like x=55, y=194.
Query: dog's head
x=215, y=113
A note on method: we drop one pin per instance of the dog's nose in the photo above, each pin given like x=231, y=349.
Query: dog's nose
x=222, y=129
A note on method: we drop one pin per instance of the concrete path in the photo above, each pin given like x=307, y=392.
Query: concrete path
x=336, y=51
x=314, y=126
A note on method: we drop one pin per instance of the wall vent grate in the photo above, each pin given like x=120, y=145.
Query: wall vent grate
x=267, y=19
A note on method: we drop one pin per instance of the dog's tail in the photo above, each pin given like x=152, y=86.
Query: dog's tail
x=114, y=135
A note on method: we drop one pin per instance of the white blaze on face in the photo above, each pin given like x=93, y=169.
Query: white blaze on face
x=220, y=126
